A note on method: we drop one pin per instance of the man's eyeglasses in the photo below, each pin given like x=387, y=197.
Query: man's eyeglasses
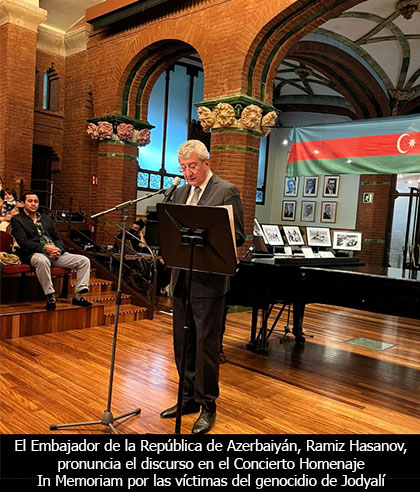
x=191, y=167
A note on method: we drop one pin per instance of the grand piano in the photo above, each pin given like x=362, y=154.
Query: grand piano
x=261, y=283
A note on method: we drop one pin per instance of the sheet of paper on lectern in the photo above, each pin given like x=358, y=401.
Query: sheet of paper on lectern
x=229, y=208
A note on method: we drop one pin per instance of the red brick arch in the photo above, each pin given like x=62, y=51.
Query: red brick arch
x=149, y=64
x=112, y=63
x=278, y=36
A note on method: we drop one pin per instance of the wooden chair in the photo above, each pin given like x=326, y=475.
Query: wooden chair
x=18, y=271
x=6, y=242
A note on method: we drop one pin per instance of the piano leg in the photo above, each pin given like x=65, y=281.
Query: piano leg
x=259, y=342
x=252, y=342
x=298, y=314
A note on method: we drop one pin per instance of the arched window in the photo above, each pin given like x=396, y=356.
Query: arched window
x=51, y=90
x=172, y=112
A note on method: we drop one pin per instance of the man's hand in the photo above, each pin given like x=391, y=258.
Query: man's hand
x=52, y=251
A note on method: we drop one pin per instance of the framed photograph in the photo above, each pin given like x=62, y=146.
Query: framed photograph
x=308, y=211
x=258, y=231
x=293, y=235
x=318, y=236
x=288, y=210
x=291, y=186
x=273, y=235
x=310, y=186
x=347, y=240
x=328, y=211
x=331, y=185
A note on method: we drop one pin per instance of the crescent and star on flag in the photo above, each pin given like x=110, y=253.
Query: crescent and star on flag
x=411, y=143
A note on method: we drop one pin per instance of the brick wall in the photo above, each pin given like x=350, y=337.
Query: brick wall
x=17, y=82
x=49, y=125
x=117, y=181
x=80, y=153
x=234, y=156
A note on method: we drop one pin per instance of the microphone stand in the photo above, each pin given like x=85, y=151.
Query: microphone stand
x=108, y=419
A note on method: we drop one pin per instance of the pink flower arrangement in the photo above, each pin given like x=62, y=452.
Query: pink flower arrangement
x=125, y=132
x=143, y=137
x=92, y=131
x=105, y=129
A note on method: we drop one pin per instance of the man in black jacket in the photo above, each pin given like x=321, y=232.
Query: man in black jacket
x=201, y=383
x=42, y=247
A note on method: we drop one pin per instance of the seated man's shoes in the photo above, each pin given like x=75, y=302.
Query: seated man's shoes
x=187, y=408
x=50, y=306
x=204, y=422
x=81, y=302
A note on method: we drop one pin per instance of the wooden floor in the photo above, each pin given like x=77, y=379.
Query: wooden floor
x=325, y=386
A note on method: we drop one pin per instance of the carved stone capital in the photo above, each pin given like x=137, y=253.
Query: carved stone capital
x=119, y=129
x=224, y=115
x=22, y=14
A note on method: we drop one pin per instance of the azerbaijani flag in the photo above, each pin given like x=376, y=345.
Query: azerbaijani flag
x=377, y=146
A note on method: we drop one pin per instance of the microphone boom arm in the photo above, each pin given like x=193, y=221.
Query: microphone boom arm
x=127, y=204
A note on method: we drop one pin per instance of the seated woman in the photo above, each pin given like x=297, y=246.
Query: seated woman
x=8, y=207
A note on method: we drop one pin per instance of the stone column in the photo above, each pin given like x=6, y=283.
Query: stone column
x=19, y=21
x=118, y=140
x=237, y=127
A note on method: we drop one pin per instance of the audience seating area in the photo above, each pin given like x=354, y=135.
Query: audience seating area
x=23, y=310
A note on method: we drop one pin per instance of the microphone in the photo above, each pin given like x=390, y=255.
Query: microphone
x=169, y=191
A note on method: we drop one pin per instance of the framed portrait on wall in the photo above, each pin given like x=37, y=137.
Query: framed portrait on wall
x=331, y=185
x=347, y=240
x=328, y=211
x=288, y=210
x=310, y=186
x=307, y=211
x=293, y=235
x=318, y=236
x=291, y=186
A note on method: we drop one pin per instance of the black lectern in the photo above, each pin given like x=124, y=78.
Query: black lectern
x=195, y=238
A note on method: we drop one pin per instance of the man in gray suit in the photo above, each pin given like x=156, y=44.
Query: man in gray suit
x=201, y=383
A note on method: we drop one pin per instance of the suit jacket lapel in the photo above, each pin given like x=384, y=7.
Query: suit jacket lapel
x=184, y=194
x=207, y=191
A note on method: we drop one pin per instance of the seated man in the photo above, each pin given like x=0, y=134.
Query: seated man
x=42, y=246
